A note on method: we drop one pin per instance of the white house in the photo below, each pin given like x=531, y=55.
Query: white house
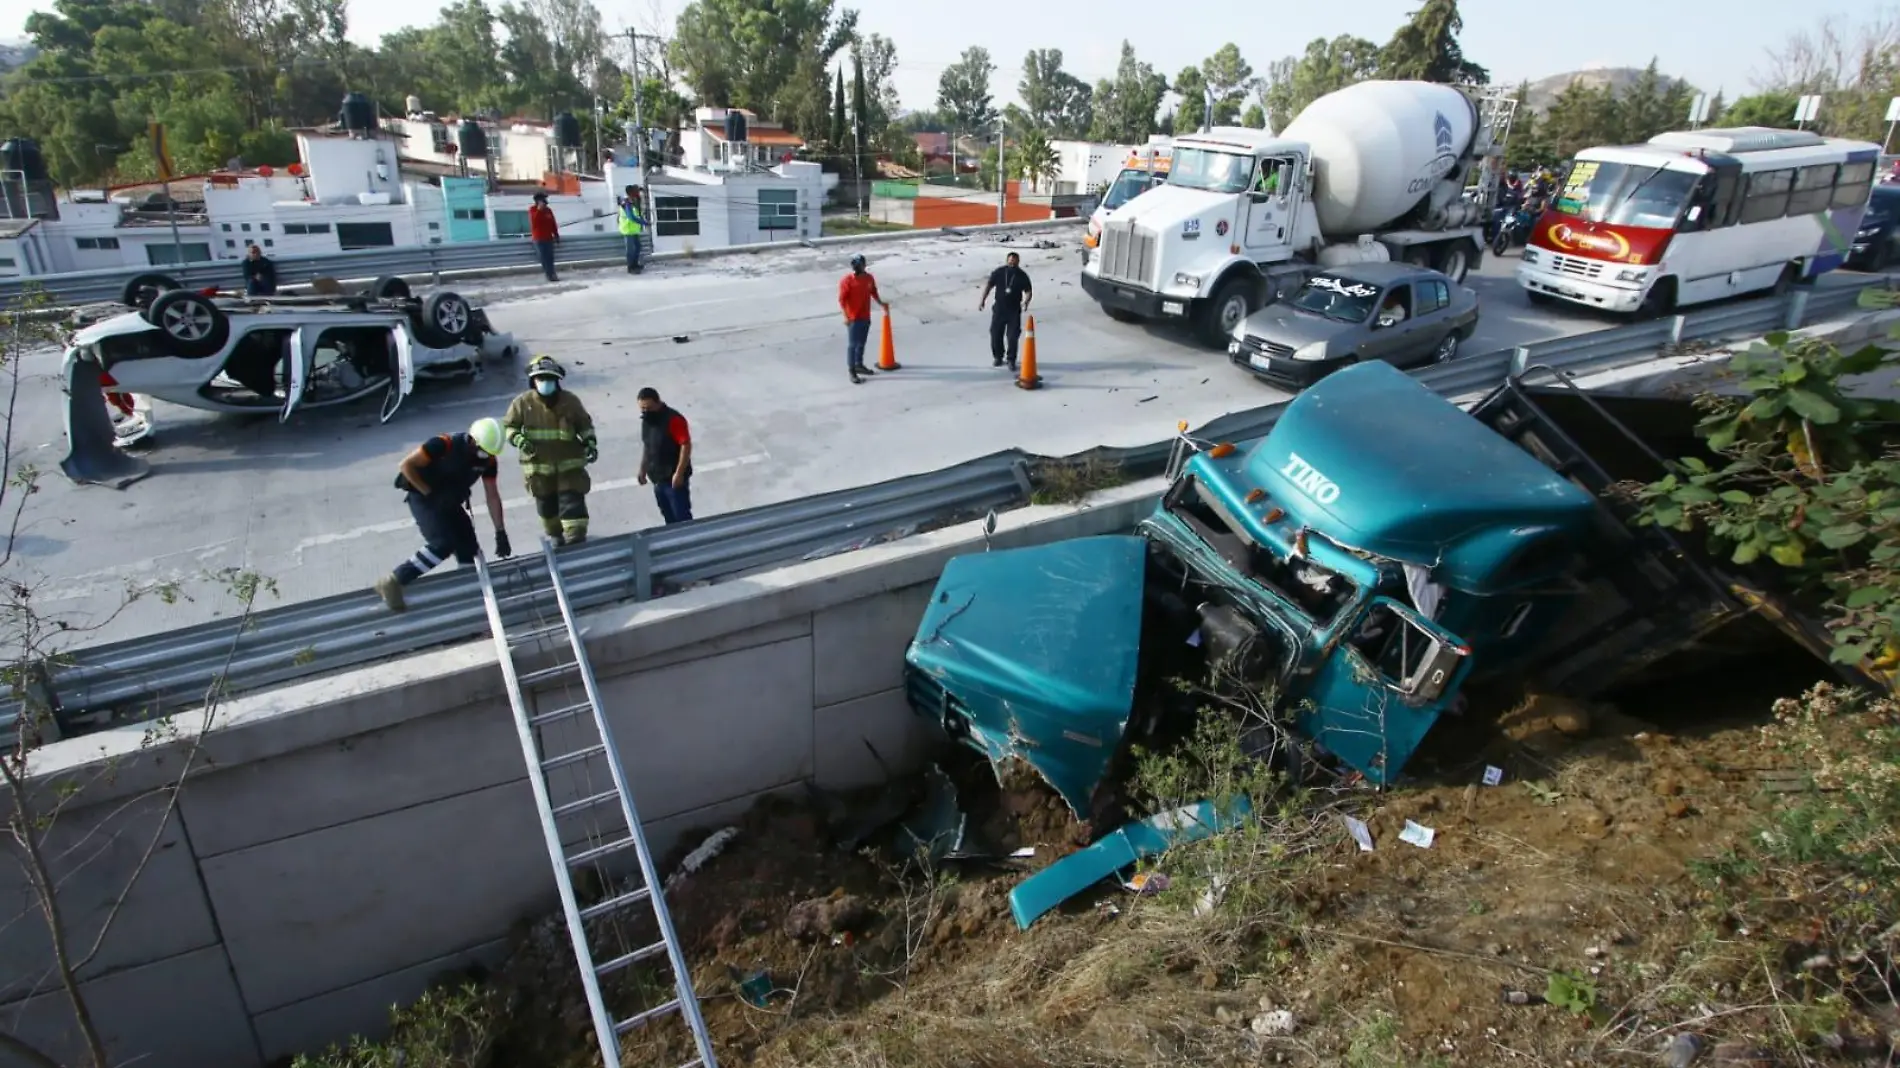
x=709, y=147
x=701, y=209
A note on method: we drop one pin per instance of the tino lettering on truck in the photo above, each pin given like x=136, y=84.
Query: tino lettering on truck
x=1311, y=482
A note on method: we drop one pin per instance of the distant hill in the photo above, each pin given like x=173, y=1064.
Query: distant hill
x=15, y=53
x=1544, y=91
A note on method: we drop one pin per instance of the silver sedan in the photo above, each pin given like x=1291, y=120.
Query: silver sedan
x=1404, y=314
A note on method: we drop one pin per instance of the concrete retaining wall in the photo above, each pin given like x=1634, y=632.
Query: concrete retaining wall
x=349, y=839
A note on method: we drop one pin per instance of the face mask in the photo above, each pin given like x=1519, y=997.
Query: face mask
x=547, y=386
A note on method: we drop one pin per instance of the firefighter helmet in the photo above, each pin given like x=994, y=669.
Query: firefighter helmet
x=545, y=367
x=487, y=435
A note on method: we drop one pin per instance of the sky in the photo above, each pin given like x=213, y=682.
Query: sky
x=1715, y=44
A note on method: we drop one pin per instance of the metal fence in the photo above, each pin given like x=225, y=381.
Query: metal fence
x=415, y=261
x=137, y=679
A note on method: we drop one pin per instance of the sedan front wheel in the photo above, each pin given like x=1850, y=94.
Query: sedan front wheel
x=1447, y=349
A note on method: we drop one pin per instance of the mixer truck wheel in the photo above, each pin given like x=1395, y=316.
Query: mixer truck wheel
x=1456, y=263
x=1231, y=303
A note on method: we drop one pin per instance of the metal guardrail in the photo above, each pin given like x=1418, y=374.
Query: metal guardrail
x=144, y=677
x=425, y=261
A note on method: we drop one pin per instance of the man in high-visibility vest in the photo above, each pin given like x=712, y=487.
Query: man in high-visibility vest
x=555, y=436
x=633, y=227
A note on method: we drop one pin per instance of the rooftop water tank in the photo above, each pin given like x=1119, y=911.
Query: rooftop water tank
x=23, y=154
x=471, y=140
x=358, y=115
x=567, y=130
x=735, y=126
x=412, y=104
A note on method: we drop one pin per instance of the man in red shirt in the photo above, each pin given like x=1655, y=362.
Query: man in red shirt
x=666, y=456
x=544, y=232
x=856, y=291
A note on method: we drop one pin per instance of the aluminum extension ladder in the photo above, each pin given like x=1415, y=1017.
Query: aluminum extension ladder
x=565, y=735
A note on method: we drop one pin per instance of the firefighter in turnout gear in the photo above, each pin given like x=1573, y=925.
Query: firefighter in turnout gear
x=555, y=436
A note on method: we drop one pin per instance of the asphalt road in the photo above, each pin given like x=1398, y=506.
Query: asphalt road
x=749, y=349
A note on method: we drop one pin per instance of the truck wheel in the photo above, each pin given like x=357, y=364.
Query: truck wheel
x=143, y=289
x=1231, y=303
x=1121, y=315
x=1455, y=263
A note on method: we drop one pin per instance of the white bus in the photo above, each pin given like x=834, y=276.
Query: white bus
x=1694, y=217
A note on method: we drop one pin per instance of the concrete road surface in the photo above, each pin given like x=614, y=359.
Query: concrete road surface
x=750, y=349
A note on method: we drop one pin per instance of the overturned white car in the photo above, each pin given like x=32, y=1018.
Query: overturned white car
x=235, y=354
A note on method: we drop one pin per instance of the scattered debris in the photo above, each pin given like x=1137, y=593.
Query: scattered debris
x=1120, y=849
x=697, y=858
x=1275, y=1023
x=1361, y=834
x=1682, y=1051
x=1146, y=883
x=1417, y=834
x=681, y=339
x=1493, y=775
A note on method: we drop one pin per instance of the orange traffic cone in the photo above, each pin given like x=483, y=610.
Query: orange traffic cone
x=886, y=349
x=1027, y=378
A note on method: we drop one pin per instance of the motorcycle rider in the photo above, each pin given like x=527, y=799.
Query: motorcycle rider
x=551, y=429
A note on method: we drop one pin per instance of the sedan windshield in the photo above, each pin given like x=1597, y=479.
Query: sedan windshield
x=1215, y=172
x=1625, y=194
x=1130, y=185
x=1339, y=299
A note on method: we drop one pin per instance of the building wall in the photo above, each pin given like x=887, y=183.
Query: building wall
x=465, y=209
x=343, y=167
x=352, y=838
x=958, y=207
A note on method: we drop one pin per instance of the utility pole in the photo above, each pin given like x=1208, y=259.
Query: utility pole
x=1002, y=171
x=639, y=124
x=857, y=152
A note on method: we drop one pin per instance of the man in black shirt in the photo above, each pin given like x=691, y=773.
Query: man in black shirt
x=1013, y=291
x=437, y=480
x=260, y=274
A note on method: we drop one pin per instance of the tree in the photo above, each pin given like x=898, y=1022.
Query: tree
x=838, y=136
x=1228, y=78
x=1125, y=105
x=963, y=91
x=876, y=56
x=1855, y=68
x=1326, y=66
x=1190, y=114
x=1054, y=101
x=1035, y=159
x=1426, y=48
x=34, y=813
x=1255, y=117
x=860, y=133
x=748, y=53
x=1651, y=105
x=1774, y=109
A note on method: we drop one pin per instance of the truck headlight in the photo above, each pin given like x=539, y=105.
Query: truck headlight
x=1191, y=281
x=1530, y=255
x=1632, y=274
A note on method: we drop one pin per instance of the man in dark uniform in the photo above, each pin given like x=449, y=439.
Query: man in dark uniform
x=666, y=456
x=1012, y=289
x=437, y=480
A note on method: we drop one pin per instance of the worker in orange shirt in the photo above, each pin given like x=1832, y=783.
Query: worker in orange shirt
x=856, y=291
x=544, y=232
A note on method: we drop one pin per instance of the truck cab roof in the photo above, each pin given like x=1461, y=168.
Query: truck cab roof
x=1378, y=463
x=1241, y=139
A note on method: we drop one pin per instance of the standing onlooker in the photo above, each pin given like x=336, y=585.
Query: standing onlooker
x=856, y=291
x=260, y=273
x=633, y=226
x=545, y=233
x=1012, y=289
x=666, y=456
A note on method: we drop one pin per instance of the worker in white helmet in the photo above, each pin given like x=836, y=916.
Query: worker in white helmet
x=437, y=479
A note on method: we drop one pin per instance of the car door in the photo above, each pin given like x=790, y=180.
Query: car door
x=1383, y=687
x=1431, y=316
x=303, y=356
x=404, y=380
x=1392, y=343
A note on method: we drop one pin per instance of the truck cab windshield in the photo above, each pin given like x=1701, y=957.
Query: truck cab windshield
x=1214, y=172
x=1319, y=592
x=1131, y=184
x=1625, y=194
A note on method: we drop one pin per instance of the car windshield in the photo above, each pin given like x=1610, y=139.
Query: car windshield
x=1215, y=172
x=1339, y=299
x=1130, y=185
x=1886, y=200
x=1625, y=194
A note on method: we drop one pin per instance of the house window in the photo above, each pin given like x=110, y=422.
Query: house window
x=511, y=224
x=246, y=227
x=471, y=214
x=167, y=254
x=778, y=209
x=676, y=216
x=365, y=235
x=8, y=261
x=102, y=244
x=435, y=226
x=228, y=243
x=264, y=227
x=304, y=228
x=268, y=242
x=227, y=228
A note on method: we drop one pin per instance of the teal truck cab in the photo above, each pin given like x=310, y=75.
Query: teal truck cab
x=1358, y=567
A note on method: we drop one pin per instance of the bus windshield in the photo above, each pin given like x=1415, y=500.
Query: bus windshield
x=1625, y=194
x=1131, y=184
x=1215, y=172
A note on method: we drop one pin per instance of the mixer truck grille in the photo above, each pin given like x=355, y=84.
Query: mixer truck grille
x=1128, y=254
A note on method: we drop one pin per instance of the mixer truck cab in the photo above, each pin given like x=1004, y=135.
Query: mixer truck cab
x=1373, y=172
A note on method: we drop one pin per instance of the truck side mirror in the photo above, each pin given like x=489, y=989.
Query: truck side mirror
x=1434, y=671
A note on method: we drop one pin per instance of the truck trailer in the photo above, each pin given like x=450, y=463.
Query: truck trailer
x=1376, y=171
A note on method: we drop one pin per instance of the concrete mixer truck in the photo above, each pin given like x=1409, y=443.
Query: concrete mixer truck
x=1376, y=171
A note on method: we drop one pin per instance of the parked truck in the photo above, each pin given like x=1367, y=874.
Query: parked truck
x=1379, y=551
x=1376, y=171
x=1145, y=168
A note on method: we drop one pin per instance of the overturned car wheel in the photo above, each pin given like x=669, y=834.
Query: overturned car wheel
x=193, y=325
x=444, y=321
x=388, y=287
x=143, y=289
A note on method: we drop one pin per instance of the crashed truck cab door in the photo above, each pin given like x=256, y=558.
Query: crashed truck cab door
x=1383, y=686
x=405, y=377
x=303, y=357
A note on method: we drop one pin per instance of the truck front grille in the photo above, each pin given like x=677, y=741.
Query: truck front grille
x=1128, y=254
x=1576, y=266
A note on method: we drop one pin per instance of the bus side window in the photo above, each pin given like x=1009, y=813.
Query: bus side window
x=1700, y=215
x=1727, y=206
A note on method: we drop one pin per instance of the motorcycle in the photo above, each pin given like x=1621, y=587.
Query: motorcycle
x=1513, y=230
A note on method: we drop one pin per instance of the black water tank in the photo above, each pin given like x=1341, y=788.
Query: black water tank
x=23, y=154
x=471, y=140
x=567, y=130
x=358, y=115
x=735, y=127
